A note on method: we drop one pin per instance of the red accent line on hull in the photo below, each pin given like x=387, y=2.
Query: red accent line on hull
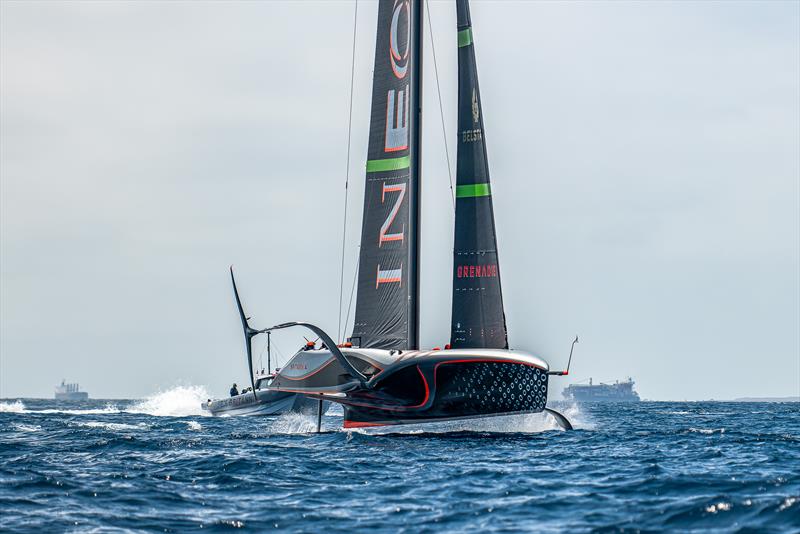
x=357, y=424
x=347, y=402
x=427, y=388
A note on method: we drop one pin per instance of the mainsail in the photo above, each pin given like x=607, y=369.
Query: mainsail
x=387, y=304
x=478, y=319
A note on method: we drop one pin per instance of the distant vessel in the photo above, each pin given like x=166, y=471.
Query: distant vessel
x=616, y=392
x=70, y=392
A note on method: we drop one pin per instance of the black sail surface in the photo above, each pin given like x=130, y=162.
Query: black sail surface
x=386, y=307
x=478, y=319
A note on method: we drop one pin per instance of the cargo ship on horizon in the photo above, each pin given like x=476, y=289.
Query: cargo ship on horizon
x=616, y=392
x=70, y=392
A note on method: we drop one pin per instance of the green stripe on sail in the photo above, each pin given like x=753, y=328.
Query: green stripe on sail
x=391, y=164
x=473, y=190
x=465, y=37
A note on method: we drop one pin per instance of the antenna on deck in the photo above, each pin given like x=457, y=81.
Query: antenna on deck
x=569, y=362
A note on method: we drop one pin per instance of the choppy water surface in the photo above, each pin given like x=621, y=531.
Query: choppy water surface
x=159, y=464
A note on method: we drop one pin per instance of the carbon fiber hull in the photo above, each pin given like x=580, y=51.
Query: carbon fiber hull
x=459, y=390
x=415, y=387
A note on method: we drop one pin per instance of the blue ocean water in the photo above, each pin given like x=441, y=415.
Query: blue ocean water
x=160, y=465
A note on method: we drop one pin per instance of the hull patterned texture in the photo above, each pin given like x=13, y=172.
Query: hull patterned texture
x=484, y=388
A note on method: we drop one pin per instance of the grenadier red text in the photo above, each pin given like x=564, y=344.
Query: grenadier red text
x=476, y=271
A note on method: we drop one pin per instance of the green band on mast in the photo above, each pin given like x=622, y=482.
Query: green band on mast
x=391, y=164
x=473, y=190
x=465, y=37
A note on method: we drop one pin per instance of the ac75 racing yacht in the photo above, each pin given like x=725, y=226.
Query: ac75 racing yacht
x=380, y=376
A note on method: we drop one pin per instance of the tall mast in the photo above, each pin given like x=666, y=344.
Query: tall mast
x=416, y=178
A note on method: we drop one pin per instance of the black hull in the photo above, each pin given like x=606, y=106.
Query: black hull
x=404, y=387
x=453, y=390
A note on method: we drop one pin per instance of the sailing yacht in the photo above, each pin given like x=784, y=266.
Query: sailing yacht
x=380, y=376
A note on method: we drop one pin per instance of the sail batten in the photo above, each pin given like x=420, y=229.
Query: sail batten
x=478, y=319
x=387, y=303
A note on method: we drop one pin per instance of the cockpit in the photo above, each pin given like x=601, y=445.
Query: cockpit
x=263, y=381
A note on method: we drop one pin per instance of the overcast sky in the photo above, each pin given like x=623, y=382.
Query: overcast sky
x=644, y=159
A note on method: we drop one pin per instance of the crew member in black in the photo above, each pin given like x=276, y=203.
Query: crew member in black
x=234, y=390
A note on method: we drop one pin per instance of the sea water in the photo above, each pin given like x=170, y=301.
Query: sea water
x=160, y=464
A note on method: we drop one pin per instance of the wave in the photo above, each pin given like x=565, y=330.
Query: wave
x=180, y=401
x=707, y=430
x=524, y=423
x=117, y=474
x=21, y=427
x=335, y=409
x=788, y=502
x=113, y=426
x=12, y=407
x=721, y=506
x=108, y=409
x=294, y=423
x=579, y=420
x=19, y=407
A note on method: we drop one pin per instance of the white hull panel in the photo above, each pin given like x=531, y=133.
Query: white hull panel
x=268, y=403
